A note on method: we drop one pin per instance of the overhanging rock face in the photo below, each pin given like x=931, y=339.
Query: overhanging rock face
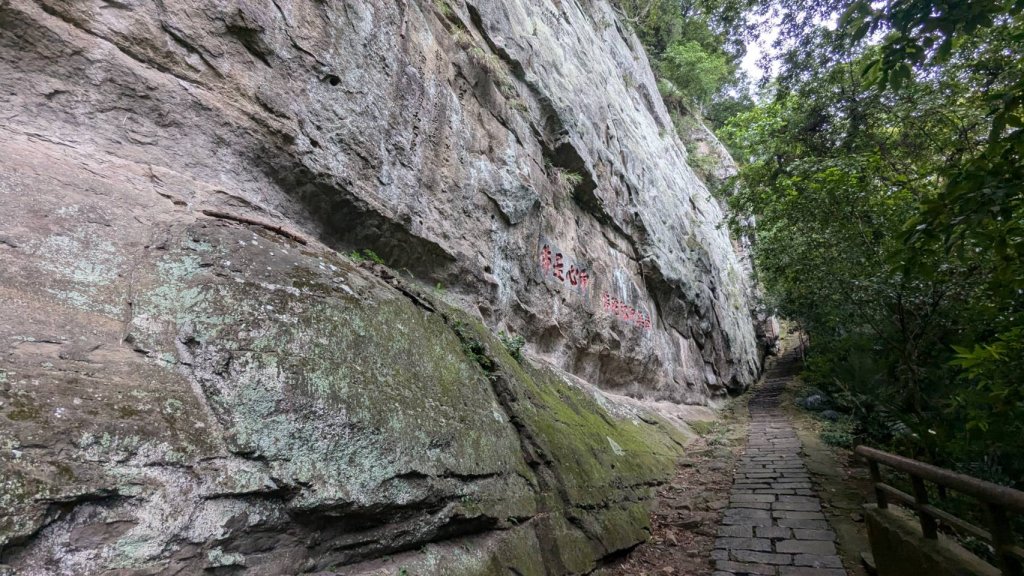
x=194, y=376
x=455, y=140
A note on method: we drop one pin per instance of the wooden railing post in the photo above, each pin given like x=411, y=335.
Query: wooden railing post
x=999, y=501
x=1002, y=540
x=928, y=524
x=876, y=477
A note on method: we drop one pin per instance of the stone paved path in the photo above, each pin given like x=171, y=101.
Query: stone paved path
x=774, y=524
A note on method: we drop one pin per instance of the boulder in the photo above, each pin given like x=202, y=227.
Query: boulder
x=830, y=415
x=815, y=402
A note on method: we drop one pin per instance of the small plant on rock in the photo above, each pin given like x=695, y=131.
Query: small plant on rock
x=495, y=68
x=518, y=104
x=462, y=39
x=514, y=344
x=444, y=8
x=566, y=180
x=472, y=346
x=366, y=255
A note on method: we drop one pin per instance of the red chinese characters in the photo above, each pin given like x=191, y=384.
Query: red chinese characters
x=573, y=276
x=625, y=312
x=553, y=265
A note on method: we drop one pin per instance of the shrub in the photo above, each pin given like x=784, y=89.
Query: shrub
x=514, y=344
x=692, y=73
x=841, y=433
x=366, y=255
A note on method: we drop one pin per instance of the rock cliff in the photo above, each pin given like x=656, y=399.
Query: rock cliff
x=197, y=373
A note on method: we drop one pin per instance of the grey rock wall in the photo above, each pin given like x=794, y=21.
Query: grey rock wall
x=454, y=139
x=195, y=376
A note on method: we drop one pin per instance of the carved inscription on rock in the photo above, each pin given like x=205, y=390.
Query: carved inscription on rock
x=556, y=266
x=626, y=312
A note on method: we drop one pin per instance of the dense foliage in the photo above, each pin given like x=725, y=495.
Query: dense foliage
x=885, y=175
x=695, y=47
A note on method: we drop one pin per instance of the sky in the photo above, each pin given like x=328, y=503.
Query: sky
x=767, y=27
x=761, y=45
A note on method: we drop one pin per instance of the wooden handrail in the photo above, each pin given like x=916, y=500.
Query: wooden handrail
x=985, y=491
x=997, y=499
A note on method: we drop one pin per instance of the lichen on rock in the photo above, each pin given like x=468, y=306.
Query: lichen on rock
x=195, y=377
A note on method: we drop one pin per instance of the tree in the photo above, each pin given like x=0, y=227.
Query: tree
x=692, y=74
x=889, y=224
x=695, y=47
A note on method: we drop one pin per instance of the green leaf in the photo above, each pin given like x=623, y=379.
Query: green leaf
x=944, y=50
x=860, y=31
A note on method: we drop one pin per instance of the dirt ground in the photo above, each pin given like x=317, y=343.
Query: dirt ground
x=844, y=484
x=685, y=518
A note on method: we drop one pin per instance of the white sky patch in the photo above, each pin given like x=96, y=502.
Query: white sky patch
x=767, y=27
x=762, y=57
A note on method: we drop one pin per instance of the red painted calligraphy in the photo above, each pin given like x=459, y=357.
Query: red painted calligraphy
x=625, y=312
x=555, y=265
x=573, y=276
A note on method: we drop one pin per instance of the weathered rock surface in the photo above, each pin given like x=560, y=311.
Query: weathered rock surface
x=192, y=375
x=183, y=393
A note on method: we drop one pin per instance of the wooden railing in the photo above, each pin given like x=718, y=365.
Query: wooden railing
x=999, y=501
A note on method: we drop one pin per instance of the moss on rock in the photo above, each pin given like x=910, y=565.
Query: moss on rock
x=277, y=385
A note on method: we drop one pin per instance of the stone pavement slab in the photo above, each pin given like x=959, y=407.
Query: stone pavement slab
x=774, y=525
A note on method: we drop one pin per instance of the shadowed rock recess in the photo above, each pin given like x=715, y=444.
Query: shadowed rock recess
x=195, y=377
